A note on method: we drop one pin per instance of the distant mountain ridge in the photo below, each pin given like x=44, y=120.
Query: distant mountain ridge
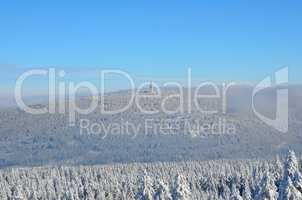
x=34, y=140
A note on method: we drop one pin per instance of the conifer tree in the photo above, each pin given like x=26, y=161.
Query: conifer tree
x=268, y=189
x=162, y=192
x=146, y=190
x=181, y=189
x=291, y=186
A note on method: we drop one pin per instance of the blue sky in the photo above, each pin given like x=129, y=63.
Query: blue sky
x=220, y=40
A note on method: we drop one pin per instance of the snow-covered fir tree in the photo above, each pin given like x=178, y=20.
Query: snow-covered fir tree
x=235, y=194
x=181, y=189
x=162, y=191
x=268, y=189
x=291, y=185
x=146, y=190
x=246, y=193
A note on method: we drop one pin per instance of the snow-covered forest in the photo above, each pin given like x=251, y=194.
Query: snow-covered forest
x=178, y=165
x=278, y=179
x=38, y=140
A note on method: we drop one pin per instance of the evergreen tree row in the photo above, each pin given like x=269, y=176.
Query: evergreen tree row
x=222, y=179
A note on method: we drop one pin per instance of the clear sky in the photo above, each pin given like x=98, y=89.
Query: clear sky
x=221, y=40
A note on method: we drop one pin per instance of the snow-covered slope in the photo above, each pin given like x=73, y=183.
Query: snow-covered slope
x=48, y=139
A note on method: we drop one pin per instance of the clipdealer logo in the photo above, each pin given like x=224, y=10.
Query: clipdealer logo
x=280, y=82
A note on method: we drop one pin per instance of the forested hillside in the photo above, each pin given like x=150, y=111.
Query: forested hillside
x=37, y=140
